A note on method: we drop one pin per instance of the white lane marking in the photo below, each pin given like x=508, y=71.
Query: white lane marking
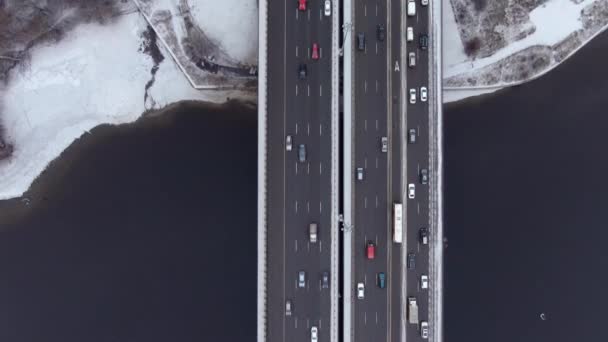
x=376, y=162
x=376, y=10
x=376, y=124
x=376, y=240
x=365, y=10
x=296, y=168
x=296, y=207
x=376, y=201
x=308, y=128
x=295, y=247
x=296, y=323
x=320, y=207
x=365, y=317
x=320, y=129
x=296, y=90
x=365, y=86
x=296, y=51
x=308, y=87
x=296, y=128
x=308, y=53
x=307, y=206
x=376, y=317
x=297, y=14
x=365, y=125
x=308, y=15
x=307, y=323
x=320, y=15
x=308, y=246
x=376, y=86
x=365, y=162
x=320, y=168
x=320, y=246
x=365, y=279
x=320, y=52
x=320, y=325
x=418, y=207
x=320, y=90
x=418, y=169
x=376, y=48
x=308, y=168
x=365, y=202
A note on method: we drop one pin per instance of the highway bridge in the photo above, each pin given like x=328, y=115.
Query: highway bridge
x=349, y=123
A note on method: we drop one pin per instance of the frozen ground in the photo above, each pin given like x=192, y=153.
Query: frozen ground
x=213, y=42
x=96, y=74
x=516, y=41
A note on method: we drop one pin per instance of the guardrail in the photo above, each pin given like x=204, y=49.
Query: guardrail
x=262, y=136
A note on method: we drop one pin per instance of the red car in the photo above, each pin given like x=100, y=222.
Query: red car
x=371, y=250
x=302, y=5
x=315, y=51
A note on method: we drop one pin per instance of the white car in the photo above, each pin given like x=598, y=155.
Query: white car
x=424, y=281
x=327, y=8
x=359, y=173
x=288, y=308
x=360, y=291
x=423, y=94
x=314, y=334
x=412, y=95
x=411, y=8
x=424, y=2
x=411, y=191
x=288, y=143
x=411, y=59
x=424, y=329
x=409, y=36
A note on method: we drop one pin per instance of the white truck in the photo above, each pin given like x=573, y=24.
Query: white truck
x=412, y=310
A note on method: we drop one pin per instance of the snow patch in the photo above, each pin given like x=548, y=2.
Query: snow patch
x=79, y=83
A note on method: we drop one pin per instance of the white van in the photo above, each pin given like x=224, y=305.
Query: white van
x=411, y=8
x=410, y=34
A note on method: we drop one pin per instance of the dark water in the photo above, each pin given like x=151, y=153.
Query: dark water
x=141, y=233
x=527, y=208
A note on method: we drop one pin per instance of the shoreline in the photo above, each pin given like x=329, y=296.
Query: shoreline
x=56, y=171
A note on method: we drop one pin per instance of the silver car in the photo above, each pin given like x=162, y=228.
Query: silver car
x=424, y=329
x=423, y=94
x=412, y=135
x=301, y=279
x=424, y=2
x=424, y=281
x=411, y=59
x=288, y=143
x=359, y=173
x=288, y=308
x=411, y=191
x=302, y=153
x=412, y=95
x=327, y=8
x=384, y=143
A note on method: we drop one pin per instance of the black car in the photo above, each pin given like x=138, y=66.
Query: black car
x=424, y=176
x=424, y=236
x=411, y=261
x=361, y=41
x=380, y=31
x=423, y=41
x=302, y=71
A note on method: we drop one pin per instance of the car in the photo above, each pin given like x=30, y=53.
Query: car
x=325, y=280
x=424, y=329
x=288, y=143
x=411, y=261
x=302, y=153
x=288, y=308
x=424, y=282
x=384, y=144
x=302, y=5
x=302, y=279
x=411, y=191
x=412, y=136
x=381, y=280
x=312, y=232
x=361, y=41
x=411, y=8
x=314, y=334
x=424, y=176
x=327, y=8
x=360, y=291
x=315, y=51
x=413, y=95
x=380, y=32
x=409, y=36
x=423, y=41
x=423, y=94
x=424, y=2
x=424, y=236
x=411, y=59
x=370, y=250
x=302, y=71
x=359, y=173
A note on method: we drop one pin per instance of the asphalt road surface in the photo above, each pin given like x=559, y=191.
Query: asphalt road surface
x=376, y=317
x=298, y=192
x=417, y=158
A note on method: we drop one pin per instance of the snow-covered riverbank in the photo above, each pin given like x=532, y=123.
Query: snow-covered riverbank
x=96, y=74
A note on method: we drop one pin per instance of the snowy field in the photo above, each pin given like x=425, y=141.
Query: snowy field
x=79, y=83
x=559, y=28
